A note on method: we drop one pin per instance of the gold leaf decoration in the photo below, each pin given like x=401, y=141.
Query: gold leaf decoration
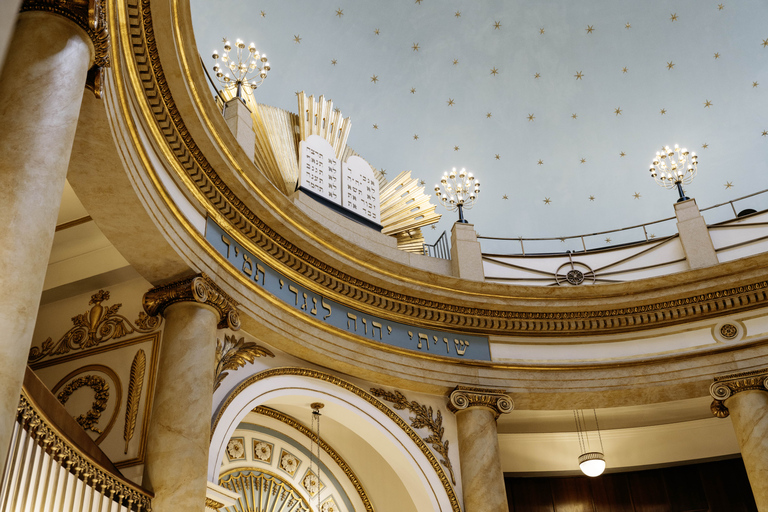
x=88, y=420
x=134, y=395
x=95, y=326
x=234, y=354
x=423, y=419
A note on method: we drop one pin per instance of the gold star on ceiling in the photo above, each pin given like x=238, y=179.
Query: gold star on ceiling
x=579, y=75
x=541, y=30
x=624, y=69
x=383, y=172
x=497, y=156
x=673, y=17
x=263, y=14
x=627, y=26
x=375, y=79
x=422, y=182
x=636, y=195
x=376, y=31
x=589, y=29
x=418, y=2
x=337, y=110
x=415, y=137
x=546, y=200
x=651, y=236
x=537, y=75
x=451, y=102
x=591, y=198
x=617, y=111
x=455, y=148
x=433, y=226
x=765, y=132
x=333, y=61
x=720, y=7
x=413, y=90
x=622, y=154
x=670, y=65
x=297, y=39
x=496, y=25
x=607, y=240
x=457, y=14
x=704, y=146
x=717, y=55
x=663, y=111
x=339, y=12
x=765, y=43
x=504, y=196
x=455, y=61
x=415, y=47
x=531, y=117
x=574, y=116
x=754, y=84
x=375, y=127
x=488, y=115
x=494, y=71
x=728, y=184
x=583, y=160
x=707, y=104
x=540, y=162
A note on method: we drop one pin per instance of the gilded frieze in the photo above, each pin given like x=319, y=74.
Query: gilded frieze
x=233, y=354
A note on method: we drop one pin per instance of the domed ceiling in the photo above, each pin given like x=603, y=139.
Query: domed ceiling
x=557, y=107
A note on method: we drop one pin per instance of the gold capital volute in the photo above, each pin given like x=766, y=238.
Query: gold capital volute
x=726, y=386
x=464, y=397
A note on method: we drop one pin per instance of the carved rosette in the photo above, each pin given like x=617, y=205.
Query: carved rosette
x=90, y=15
x=200, y=289
x=726, y=386
x=464, y=397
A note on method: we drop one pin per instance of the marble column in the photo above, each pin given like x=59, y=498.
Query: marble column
x=41, y=88
x=482, y=480
x=744, y=397
x=176, y=461
x=466, y=254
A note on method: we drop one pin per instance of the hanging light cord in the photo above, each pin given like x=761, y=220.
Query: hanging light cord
x=316, y=420
x=579, y=431
x=598, y=431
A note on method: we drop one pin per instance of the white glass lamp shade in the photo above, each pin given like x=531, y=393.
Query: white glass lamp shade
x=592, y=463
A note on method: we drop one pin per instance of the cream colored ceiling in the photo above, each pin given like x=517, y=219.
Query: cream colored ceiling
x=636, y=75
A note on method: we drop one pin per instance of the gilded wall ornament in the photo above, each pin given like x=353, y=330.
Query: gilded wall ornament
x=289, y=463
x=329, y=506
x=729, y=331
x=262, y=451
x=95, y=326
x=311, y=483
x=88, y=420
x=236, y=449
x=233, y=354
x=135, y=386
x=422, y=419
x=199, y=288
x=726, y=386
x=464, y=397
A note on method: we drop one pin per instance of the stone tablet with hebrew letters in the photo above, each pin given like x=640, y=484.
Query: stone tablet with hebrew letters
x=360, y=193
x=320, y=170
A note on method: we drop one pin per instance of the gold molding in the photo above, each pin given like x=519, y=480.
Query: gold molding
x=359, y=392
x=726, y=386
x=277, y=415
x=135, y=385
x=464, y=397
x=210, y=503
x=233, y=354
x=200, y=289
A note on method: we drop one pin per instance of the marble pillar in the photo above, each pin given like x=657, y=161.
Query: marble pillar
x=694, y=235
x=482, y=479
x=466, y=254
x=41, y=88
x=744, y=397
x=176, y=461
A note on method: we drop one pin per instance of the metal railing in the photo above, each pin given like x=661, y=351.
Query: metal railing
x=646, y=237
x=440, y=249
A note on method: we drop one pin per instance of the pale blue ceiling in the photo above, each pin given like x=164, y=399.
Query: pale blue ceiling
x=345, y=31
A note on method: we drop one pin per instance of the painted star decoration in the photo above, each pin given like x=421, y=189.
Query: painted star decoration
x=624, y=69
x=451, y=102
x=607, y=240
x=583, y=161
x=728, y=184
x=663, y=111
x=455, y=61
x=415, y=137
x=263, y=14
x=497, y=157
x=547, y=200
x=622, y=154
x=590, y=29
x=504, y=196
x=579, y=75
x=455, y=148
x=297, y=39
x=531, y=117
x=574, y=116
x=537, y=75
x=494, y=71
x=704, y=146
x=591, y=198
x=333, y=61
x=765, y=43
x=375, y=79
x=339, y=12
x=376, y=31
x=457, y=14
x=717, y=55
x=541, y=30
x=488, y=115
x=670, y=65
x=496, y=25
x=720, y=7
x=754, y=84
x=617, y=111
x=540, y=162
x=765, y=132
x=707, y=104
x=413, y=90
x=415, y=47
x=673, y=17
x=375, y=127
x=627, y=26
x=636, y=195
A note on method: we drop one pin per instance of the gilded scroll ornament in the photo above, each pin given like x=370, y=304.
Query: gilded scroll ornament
x=134, y=395
x=464, y=397
x=422, y=419
x=234, y=354
x=199, y=288
x=728, y=385
x=88, y=420
x=209, y=503
x=99, y=324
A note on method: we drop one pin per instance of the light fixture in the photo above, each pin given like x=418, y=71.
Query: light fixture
x=672, y=170
x=591, y=463
x=458, y=190
x=315, y=448
x=249, y=69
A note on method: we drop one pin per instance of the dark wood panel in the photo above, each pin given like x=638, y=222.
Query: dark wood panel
x=572, y=495
x=649, y=494
x=685, y=490
x=611, y=493
x=726, y=486
x=531, y=495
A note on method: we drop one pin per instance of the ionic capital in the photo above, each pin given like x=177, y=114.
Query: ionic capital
x=464, y=397
x=200, y=289
x=727, y=385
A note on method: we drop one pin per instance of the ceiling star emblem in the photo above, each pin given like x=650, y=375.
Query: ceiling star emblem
x=673, y=17
x=617, y=111
x=455, y=148
x=415, y=137
x=590, y=29
x=720, y=7
x=496, y=25
x=663, y=111
x=765, y=132
x=591, y=198
x=540, y=162
x=636, y=195
x=755, y=84
x=413, y=90
x=339, y=12
x=418, y=2
x=383, y=172
x=433, y=226
x=488, y=115
x=455, y=61
x=497, y=156
x=263, y=14
x=504, y=196
x=704, y=146
x=541, y=30
x=562, y=240
x=607, y=240
x=375, y=79
x=627, y=26
x=765, y=43
x=375, y=127
x=376, y=31
x=579, y=75
x=624, y=69
x=451, y=102
x=547, y=200
x=415, y=47
x=622, y=154
x=728, y=184
x=422, y=182
x=717, y=55
x=651, y=236
x=670, y=65
x=297, y=39
x=574, y=116
x=333, y=61
x=537, y=75
x=707, y=104
x=337, y=110
x=457, y=14
x=494, y=71
x=531, y=117
x=583, y=160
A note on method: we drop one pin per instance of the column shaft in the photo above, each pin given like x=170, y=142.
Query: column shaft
x=481, y=477
x=177, y=449
x=749, y=415
x=41, y=88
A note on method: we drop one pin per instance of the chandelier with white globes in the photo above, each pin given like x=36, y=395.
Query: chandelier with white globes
x=458, y=190
x=248, y=68
x=673, y=168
